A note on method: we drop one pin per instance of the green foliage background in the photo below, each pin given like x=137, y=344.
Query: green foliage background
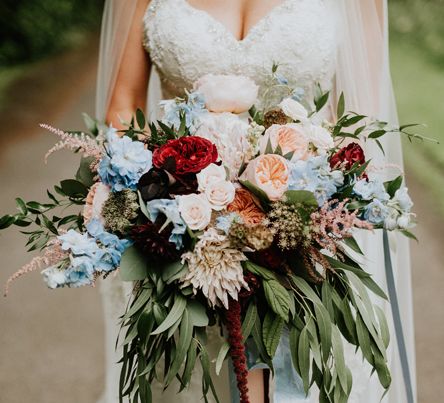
x=33, y=29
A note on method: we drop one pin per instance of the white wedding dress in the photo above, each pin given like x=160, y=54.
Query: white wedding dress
x=185, y=43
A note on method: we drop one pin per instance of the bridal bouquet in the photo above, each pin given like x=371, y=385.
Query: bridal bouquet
x=226, y=214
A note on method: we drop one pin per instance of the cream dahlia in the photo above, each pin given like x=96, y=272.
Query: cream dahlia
x=215, y=268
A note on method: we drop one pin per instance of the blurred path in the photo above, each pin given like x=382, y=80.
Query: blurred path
x=51, y=341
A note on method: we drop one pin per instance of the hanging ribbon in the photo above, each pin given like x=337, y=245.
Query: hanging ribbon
x=396, y=313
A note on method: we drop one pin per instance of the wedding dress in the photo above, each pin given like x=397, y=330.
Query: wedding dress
x=302, y=36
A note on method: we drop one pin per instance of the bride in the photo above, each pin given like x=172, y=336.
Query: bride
x=163, y=46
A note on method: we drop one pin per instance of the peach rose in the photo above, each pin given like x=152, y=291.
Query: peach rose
x=245, y=205
x=291, y=138
x=96, y=198
x=227, y=93
x=269, y=172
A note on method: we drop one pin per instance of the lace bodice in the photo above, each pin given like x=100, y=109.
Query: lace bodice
x=185, y=43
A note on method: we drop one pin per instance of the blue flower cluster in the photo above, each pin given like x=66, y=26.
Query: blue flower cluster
x=124, y=163
x=392, y=213
x=192, y=109
x=224, y=222
x=95, y=252
x=170, y=209
x=316, y=176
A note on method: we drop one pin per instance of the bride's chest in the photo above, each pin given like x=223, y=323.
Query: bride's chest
x=300, y=35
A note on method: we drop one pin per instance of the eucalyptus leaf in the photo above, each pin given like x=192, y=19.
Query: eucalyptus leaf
x=133, y=265
x=198, y=313
x=223, y=352
x=175, y=313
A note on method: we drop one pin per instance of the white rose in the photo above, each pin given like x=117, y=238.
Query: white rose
x=321, y=138
x=227, y=93
x=212, y=173
x=293, y=109
x=220, y=194
x=195, y=211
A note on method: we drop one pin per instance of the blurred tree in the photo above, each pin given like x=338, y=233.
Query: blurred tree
x=30, y=30
x=421, y=23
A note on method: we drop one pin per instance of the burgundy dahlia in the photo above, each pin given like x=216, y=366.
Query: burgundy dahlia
x=347, y=156
x=154, y=243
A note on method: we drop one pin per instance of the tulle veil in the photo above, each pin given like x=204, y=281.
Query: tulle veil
x=363, y=75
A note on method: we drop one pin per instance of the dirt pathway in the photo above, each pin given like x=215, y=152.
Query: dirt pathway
x=51, y=341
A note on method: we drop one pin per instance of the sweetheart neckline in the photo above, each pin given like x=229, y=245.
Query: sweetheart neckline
x=251, y=32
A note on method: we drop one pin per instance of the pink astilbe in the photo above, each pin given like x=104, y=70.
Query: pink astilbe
x=53, y=254
x=333, y=222
x=76, y=142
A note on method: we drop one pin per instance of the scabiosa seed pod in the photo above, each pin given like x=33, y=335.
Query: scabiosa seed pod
x=275, y=117
x=119, y=210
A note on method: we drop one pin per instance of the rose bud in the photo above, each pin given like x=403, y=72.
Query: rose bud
x=154, y=185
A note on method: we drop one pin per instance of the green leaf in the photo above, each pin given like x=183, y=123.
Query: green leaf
x=376, y=134
x=139, y=302
x=306, y=289
x=176, y=312
x=364, y=339
x=383, y=326
x=84, y=173
x=338, y=354
x=304, y=358
x=353, y=245
x=341, y=106
x=321, y=101
x=259, y=270
x=325, y=329
x=140, y=117
x=189, y=366
x=185, y=336
x=90, y=123
x=198, y=313
x=74, y=188
x=6, y=221
x=382, y=370
x=173, y=271
x=223, y=352
x=21, y=205
x=337, y=264
x=301, y=196
x=271, y=332
x=248, y=323
x=277, y=298
x=410, y=235
x=294, y=343
x=394, y=185
x=133, y=265
x=352, y=121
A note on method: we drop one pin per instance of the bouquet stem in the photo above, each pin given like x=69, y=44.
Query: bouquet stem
x=237, y=351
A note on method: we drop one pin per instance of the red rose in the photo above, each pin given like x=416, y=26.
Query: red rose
x=348, y=156
x=185, y=155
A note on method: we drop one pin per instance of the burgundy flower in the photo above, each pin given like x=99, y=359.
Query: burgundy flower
x=186, y=155
x=347, y=156
x=154, y=185
x=154, y=243
x=237, y=348
x=271, y=258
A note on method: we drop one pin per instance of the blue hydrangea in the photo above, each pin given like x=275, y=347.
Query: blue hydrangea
x=224, y=222
x=96, y=251
x=372, y=189
x=79, y=244
x=170, y=209
x=376, y=212
x=124, y=163
x=193, y=108
x=316, y=176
